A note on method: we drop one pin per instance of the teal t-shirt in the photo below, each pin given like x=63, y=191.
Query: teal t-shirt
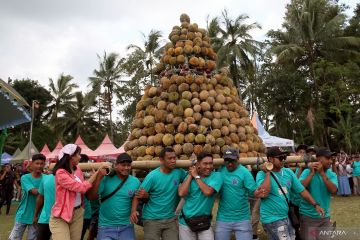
x=319, y=192
x=234, y=193
x=87, y=212
x=95, y=206
x=47, y=189
x=196, y=203
x=356, y=169
x=163, y=193
x=274, y=207
x=116, y=210
x=26, y=210
x=295, y=198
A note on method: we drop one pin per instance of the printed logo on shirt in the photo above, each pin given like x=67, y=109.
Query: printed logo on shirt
x=235, y=181
x=175, y=182
x=288, y=183
x=131, y=193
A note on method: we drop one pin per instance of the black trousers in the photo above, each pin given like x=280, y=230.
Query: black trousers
x=43, y=232
x=5, y=198
x=86, y=226
x=297, y=230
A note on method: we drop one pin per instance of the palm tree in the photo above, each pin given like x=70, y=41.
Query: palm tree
x=313, y=30
x=235, y=46
x=149, y=52
x=62, y=93
x=106, y=80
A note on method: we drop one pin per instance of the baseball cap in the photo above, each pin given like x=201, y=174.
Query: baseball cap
x=324, y=152
x=276, y=152
x=231, y=154
x=124, y=157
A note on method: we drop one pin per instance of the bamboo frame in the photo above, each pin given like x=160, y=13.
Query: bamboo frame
x=146, y=165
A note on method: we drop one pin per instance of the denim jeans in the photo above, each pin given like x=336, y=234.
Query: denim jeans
x=120, y=232
x=243, y=230
x=19, y=229
x=280, y=230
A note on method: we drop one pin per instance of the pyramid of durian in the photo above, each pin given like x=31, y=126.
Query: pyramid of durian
x=194, y=108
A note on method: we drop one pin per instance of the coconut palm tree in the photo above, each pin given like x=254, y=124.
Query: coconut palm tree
x=149, y=52
x=62, y=92
x=235, y=46
x=106, y=80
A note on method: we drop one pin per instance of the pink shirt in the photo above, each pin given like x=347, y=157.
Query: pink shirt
x=66, y=189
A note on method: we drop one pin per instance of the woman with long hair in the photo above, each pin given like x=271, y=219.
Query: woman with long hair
x=67, y=213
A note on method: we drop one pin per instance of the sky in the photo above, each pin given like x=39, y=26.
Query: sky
x=40, y=39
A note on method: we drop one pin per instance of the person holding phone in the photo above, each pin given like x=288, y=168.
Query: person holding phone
x=321, y=182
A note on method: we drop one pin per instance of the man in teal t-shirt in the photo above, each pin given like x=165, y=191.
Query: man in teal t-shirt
x=199, y=190
x=114, y=213
x=321, y=182
x=234, y=211
x=25, y=213
x=44, y=203
x=160, y=188
x=356, y=174
x=274, y=207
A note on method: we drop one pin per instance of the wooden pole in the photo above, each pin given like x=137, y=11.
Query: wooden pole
x=146, y=165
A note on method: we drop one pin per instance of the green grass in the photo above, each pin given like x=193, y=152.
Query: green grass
x=344, y=210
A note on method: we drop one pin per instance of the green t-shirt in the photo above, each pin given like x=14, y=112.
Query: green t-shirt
x=47, y=189
x=274, y=207
x=319, y=192
x=356, y=169
x=87, y=212
x=237, y=186
x=116, y=210
x=26, y=210
x=163, y=193
x=95, y=206
x=196, y=203
x=295, y=198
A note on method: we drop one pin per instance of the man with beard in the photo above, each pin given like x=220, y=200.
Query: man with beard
x=321, y=182
x=116, y=192
x=160, y=188
x=199, y=190
x=276, y=185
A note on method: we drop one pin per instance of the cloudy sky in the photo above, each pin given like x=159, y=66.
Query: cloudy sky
x=42, y=38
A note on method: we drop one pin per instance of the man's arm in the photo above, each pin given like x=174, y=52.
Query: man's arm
x=184, y=187
x=329, y=185
x=92, y=193
x=265, y=186
x=307, y=180
x=38, y=207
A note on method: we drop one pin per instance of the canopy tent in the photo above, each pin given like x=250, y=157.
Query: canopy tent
x=85, y=149
x=5, y=158
x=54, y=154
x=13, y=105
x=45, y=150
x=17, y=152
x=269, y=141
x=107, y=148
x=26, y=154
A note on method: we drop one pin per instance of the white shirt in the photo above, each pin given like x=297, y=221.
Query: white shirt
x=78, y=195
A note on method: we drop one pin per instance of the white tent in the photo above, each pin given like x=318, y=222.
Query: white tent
x=270, y=141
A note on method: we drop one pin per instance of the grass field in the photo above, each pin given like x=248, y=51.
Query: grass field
x=344, y=210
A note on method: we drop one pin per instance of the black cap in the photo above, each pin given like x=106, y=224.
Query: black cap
x=302, y=147
x=276, y=152
x=324, y=152
x=38, y=156
x=231, y=153
x=124, y=157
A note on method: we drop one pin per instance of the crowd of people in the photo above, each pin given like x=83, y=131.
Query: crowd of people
x=290, y=200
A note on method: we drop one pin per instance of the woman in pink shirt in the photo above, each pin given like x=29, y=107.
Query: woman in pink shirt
x=67, y=213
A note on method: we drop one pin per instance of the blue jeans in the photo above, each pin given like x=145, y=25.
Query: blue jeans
x=280, y=230
x=120, y=232
x=243, y=230
x=18, y=231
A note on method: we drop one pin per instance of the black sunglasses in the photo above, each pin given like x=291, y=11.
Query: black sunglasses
x=229, y=160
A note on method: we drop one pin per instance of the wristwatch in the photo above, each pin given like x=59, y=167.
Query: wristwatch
x=197, y=177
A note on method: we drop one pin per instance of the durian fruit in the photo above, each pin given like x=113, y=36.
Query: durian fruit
x=193, y=108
